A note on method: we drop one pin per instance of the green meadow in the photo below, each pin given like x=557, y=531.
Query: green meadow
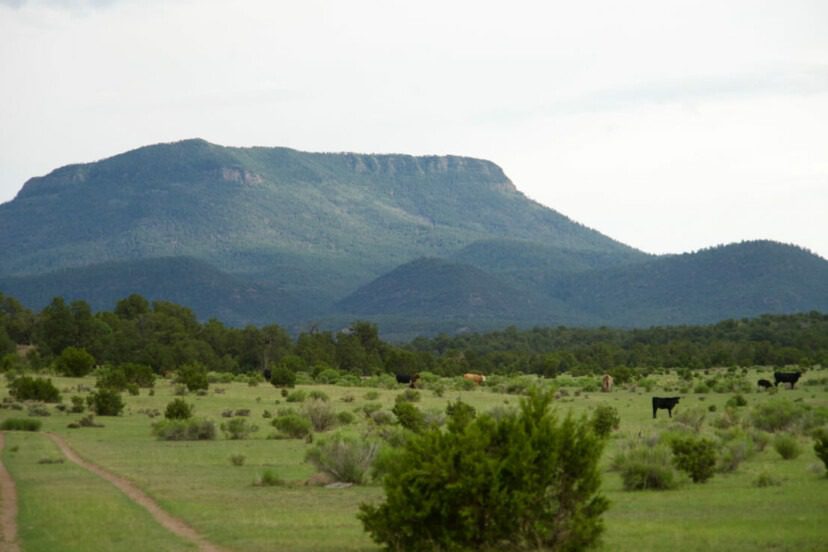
x=64, y=507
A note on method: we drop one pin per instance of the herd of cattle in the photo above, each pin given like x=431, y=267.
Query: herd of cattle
x=659, y=403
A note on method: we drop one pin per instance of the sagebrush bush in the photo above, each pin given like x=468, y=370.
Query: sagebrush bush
x=318, y=395
x=605, y=419
x=695, y=456
x=346, y=459
x=292, y=425
x=297, y=396
x=371, y=395
x=322, y=415
x=821, y=446
x=26, y=388
x=787, y=446
x=20, y=424
x=645, y=467
x=526, y=481
x=178, y=409
x=692, y=418
x=370, y=408
x=238, y=428
x=733, y=452
x=382, y=417
x=765, y=479
x=106, y=402
x=409, y=395
x=345, y=418
x=268, y=479
x=777, y=414
x=237, y=459
x=736, y=401
x=193, y=429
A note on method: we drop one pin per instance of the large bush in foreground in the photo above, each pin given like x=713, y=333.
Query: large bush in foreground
x=523, y=481
x=34, y=389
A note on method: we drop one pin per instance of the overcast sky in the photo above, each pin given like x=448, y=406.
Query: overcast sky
x=670, y=126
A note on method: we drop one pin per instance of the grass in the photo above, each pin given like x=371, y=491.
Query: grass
x=195, y=481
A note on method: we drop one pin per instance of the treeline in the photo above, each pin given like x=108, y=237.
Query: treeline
x=165, y=336
x=769, y=340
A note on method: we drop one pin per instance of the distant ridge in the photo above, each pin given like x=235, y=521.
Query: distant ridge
x=423, y=244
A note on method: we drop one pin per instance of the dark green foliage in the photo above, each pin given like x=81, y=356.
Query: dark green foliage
x=737, y=400
x=409, y=416
x=321, y=415
x=268, y=478
x=409, y=395
x=297, y=396
x=292, y=425
x=106, y=402
x=346, y=459
x=459, y=415
x=604, y=420
x=26, y=388
x=282, y=377
x=695, y=456
x=78, y=404
x=74, y=362
x=193, y=375
x=525, y=481
x=178, y=409
x=110, y=377
x=20, y=424
x=193, y=429
x=139, y=374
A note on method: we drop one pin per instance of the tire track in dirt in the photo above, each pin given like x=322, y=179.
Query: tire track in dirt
x=138, y=496
x=8, y=519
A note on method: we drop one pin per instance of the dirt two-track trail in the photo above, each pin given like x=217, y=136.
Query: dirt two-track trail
x=135, y=494
x=8, y=517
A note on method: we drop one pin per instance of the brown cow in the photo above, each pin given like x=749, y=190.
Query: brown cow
x=476, y=378
x=606, y=383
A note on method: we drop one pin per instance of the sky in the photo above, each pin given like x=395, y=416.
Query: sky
x=670, y=126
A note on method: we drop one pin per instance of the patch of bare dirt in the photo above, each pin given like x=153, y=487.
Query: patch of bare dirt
x=174, y=524
x=8, y=517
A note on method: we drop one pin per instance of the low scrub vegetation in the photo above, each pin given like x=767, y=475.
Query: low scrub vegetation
x=346, y=459
x=184, y=430
x=20, y=424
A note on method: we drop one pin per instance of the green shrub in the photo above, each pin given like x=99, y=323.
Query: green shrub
x=777, y=414
x=370, y=408
x=292, y=425
x=460, y=415
x=238, y=428
x=268, y=479
x=346, y=459
x=74, y=362
x=409, y=416
x=787, y=446
x=78, y=404
x=238, y=459
x=409, y=395
x=178, y=409
x=604, y=420
x=318, y=395
x=282, y=376
x=328, y=375
x=194, y=429
x=765, y=479
x=691, y=418
x=111, y=378
x=695, y=456
x=646, y=467
x=297, y=396
x=193, y=375
x=321, y=415
x=139, y=374
x=345, y=418
x=527, y=480
x=821, y=446
x=760, y=439
x=727, y=419
x=26, y=388
x=382, y=417
x=106, y=402
x=20, y=424
x=736, y=401
x=733, y=452
x=371, y=395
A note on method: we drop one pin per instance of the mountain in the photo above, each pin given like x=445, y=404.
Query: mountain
x=732, y=281
x=418, y=244
x=185, y=281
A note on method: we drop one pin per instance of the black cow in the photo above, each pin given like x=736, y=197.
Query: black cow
x=764, y=384
x=786, y=377
x=410, y=380
x=665, y=402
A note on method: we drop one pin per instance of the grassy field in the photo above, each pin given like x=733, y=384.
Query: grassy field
x=63, y=507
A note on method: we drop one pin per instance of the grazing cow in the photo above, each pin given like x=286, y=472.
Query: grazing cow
x=666, y=403
x=765, y=384
x=410, y=380
x=606, y=383
x=786, y=377
x=267, y=374
x=475, y=378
